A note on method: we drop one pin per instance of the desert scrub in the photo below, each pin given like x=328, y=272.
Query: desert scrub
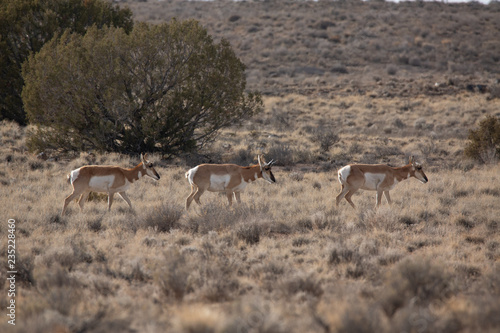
x=162, y=218
x=206, y=273
x=484, y=142
x=217, y=216
x=419, y=280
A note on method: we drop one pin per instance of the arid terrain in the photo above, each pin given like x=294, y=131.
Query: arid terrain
x=342, y=82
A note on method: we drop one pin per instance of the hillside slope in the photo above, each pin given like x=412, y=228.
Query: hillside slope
x=349, y=46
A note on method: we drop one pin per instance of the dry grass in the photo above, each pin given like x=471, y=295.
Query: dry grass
x=351, y=47
x=286, y=260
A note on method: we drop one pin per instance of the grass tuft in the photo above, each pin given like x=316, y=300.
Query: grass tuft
x=162, y=218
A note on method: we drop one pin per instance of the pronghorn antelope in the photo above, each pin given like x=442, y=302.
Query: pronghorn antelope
x=376, y=177
x=229, y=178
x=109, y=179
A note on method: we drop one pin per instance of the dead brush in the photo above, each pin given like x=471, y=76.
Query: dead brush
x=326, y=138
x=172, y=276
x=419, y=280
x=207, y=274
x=162, y=218
x=297, y=176
x=249, y=232
x=301, y=283
x=216, y=216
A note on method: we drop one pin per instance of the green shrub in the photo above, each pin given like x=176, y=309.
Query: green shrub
x=484, y=142
x=26, y=25
x=167, y=88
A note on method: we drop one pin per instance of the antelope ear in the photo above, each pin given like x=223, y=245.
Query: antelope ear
x=411, y=160
x=143, y=157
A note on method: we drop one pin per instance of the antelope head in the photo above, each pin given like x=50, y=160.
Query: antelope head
x=265, y=169
x=417, y=171
x=149, y=168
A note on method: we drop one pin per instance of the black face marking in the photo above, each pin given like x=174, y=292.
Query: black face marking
x=272, y=177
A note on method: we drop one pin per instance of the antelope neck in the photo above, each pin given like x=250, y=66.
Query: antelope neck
x=134, y=173
x=402, y=173
x=252, y=173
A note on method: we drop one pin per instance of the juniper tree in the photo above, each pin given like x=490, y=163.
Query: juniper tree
x=26, y=25
x=165, y=88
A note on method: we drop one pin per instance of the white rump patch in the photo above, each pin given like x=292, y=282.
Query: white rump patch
x=191, y=174
x=219, y=183
x=74, y=175
x=344, y=173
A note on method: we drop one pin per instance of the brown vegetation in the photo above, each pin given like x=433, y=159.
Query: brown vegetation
x=286, y=260
x=350, y=47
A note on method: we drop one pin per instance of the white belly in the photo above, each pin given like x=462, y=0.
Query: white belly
x=241, y=186
x=105, y=184
x=219, y=183
x=372, y=181
x=122, y=188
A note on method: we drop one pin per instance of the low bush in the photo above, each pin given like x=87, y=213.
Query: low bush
x=60, y=291
x=326, y=138
x=215, y=217
x=360, y=318
x=172, y=277
x=163, y=218
x=392, y=70
x=417, y=280
x=207, y=274
x=484, y=142
x=249, y=232
x=342, y=254
x=301, y=283
x=284, y=155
